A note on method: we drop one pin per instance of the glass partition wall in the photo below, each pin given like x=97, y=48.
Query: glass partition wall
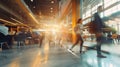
x=110, y=10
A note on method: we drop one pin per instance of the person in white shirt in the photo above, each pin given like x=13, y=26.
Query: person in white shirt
x=78, y=30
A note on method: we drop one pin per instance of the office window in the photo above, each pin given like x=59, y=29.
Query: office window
x=108, y=12
x=94, y=9
x=83, y=16
x=111, y=10
x=109, y=2
x=88, y=13
x=118, y=7
x=114, y=9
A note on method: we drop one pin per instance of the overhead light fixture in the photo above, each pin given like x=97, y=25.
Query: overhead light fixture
x=31, y=0
x=52, y=1
x=51, y=8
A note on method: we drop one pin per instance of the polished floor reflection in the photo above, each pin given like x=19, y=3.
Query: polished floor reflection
x=54, y=56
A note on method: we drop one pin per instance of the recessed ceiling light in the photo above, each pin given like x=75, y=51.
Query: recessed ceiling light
x=52, y=1
x=51, y=8
x=31, y=0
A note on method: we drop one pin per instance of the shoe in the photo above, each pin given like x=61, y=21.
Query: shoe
x=81, y=52
x=70, y=50
x=101, y=56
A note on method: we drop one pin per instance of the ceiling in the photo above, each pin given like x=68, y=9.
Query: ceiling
x=42, y=6
x=26, y=12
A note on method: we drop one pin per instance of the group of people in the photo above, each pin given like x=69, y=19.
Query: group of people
x=98, y=31
x=7, y=38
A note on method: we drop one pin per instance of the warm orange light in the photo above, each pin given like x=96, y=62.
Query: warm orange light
x=74, y=18
x=7, y=21
x=14, y=63
x=51, y=11
x=33, y=18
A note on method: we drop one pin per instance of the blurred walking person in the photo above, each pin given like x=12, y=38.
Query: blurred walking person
x=98, y=30
x=78, y=31
x=41, y=39
x=115, y=38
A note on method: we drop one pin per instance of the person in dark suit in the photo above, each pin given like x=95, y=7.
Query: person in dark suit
x=4, y=35
x=99, y=25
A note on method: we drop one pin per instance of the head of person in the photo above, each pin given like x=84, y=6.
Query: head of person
x=99, y=9
x=79, y=21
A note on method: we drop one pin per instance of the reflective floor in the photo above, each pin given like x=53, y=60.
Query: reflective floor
x=54, y=56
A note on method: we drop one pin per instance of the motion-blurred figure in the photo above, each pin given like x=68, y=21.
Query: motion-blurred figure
x=78, y=30
x=98, y=27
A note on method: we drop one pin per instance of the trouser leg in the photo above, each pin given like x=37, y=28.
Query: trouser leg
x=9, y=40
x=75, y=44
x=81, y=44
x=98, y=46
x=40, y=42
